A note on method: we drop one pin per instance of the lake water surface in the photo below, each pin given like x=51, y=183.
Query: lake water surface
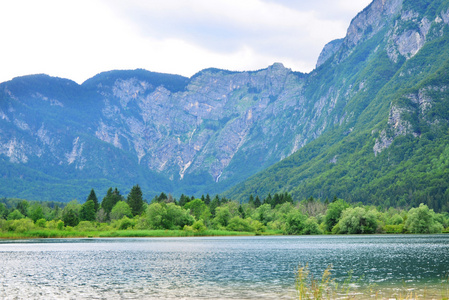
x=216, y=267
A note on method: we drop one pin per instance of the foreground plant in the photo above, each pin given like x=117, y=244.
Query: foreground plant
x=311, y=288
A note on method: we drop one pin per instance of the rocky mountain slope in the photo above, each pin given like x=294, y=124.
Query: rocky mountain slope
x=389, y=76
x=382, y=84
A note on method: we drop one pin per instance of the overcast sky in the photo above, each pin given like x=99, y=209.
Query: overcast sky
x=78, y=39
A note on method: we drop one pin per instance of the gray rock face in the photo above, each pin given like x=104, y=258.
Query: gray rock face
x=328, y=51
x=371, y=20
x=199, y=129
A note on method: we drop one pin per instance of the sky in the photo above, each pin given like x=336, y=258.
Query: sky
x=77, y=39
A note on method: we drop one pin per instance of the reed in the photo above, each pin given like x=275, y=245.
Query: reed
x=310, y=288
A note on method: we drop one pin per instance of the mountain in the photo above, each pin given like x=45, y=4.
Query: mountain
x=387, y=83
x=166, y=132
x=369, y=124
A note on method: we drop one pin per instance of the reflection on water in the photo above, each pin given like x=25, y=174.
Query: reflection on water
x=218, y=267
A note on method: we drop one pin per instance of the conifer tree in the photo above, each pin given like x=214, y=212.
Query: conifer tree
x=135, y=200
x=93, y=197
x=251, y=200
x=207, y=200
x=111, y=198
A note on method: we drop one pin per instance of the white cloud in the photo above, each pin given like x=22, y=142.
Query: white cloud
x=77, y=39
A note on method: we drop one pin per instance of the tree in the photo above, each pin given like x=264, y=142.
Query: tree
x=22, y=206
x=3, y=211
x=238, y=224
x=222, y=216
x=198, y=209
x=295, y=222
x=111, y=198
x=214, y=204
x=70, y=217
x=87, y=212
x=422, y=220
x=70, y=213
x=167, y=216
x=207, y=200
x=121, y=209
x=257, y=202
x=101, y=216
x=183, y=200
x=92, y=196
x=135, y=200
x=36, y=212
x=333, y=213
x=357, y=220
x=15, y=215
x=251, y=200
x=311, y=227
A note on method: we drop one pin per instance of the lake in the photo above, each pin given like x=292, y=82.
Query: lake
x=217, y=267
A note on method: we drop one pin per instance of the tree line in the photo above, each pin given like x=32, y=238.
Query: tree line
x=275, y=214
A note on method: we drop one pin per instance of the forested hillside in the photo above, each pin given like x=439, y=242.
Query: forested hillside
x=393, y=148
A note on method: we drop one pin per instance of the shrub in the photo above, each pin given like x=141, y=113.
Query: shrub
x=60, y=225
x=126, y=223
x=198, y=226
x=22, y=225
x=311, y=227
x=239, y=224
x=41, y=223
x=86, y=226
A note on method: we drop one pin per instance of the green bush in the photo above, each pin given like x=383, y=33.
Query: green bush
x=422, y=220
x=393, y=228
x=41, y=223
x=311, y=227
x=357, y=220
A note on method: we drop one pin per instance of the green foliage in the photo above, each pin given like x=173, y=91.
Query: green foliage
x=22, y=207
x=92, y=196
x=422, y=220
x=15, y=215
x=199, y=226
x=198, y=209
x=111, y=198
x=120, y=210
x=41, y=223
x=35, y=211
x=135, y=200
x=70, y=214
x=167, y=216
x=239, y=224
x=295, y=222
x=311, y=227
x=125, y=223
x=357, y=220
x=333, y=214
x=87, y=212
x=60, y=225
x=222, y=216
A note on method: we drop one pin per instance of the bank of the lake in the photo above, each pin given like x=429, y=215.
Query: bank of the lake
x=71, y=233
x=244, y=267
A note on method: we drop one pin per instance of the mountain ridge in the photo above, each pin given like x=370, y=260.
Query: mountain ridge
x=210, y=132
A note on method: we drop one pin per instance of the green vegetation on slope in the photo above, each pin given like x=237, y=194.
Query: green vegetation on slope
x=405, y=105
